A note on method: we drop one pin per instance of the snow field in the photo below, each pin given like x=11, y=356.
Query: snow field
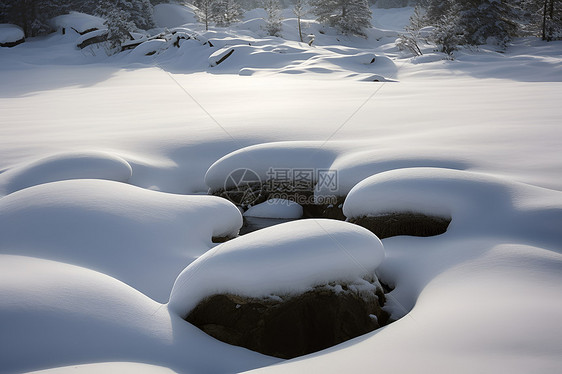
x=115, y=228
x=94, y=236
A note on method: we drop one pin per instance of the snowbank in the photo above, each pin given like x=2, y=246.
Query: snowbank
x=477, y=203
x=54, y=314
x=63, y=166
x=115, y=228
x=10, y=34
x=174, y=15
x=275, y=208
x=79, y=22
x=285, y=259
x=262, y=159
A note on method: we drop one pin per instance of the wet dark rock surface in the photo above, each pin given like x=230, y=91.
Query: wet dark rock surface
x=394, y=224
x=291, y=326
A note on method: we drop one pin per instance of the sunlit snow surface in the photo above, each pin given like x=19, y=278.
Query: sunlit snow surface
x=97, y=155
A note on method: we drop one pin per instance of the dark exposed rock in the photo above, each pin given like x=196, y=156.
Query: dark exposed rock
x=12, y=44
x=253, y=193
x=394, y=224
x=292, y=326
x=333, y=210
x=221, y=239
x=95, y=38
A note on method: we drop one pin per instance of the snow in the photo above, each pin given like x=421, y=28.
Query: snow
x=10, y=33
x=103, y=161
x=115, y=228
x=80, y=22
x=61, y=315
x=91, y=34
x=285, y=259
x=275, y=208
x=174, y=15
x=71, y=165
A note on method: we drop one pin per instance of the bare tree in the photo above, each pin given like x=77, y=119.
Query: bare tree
x=300, y=11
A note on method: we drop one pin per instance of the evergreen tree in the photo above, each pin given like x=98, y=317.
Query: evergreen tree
x=546, y=18
x=482, y=21
x=273, y=23
x=205, y=11
x=226, y=12
x=349, y=16
x=31, y=15
x=471, y=22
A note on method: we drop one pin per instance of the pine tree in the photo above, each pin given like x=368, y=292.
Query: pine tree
x=118, y=22
x=471, y=22
x=31, y=15
x=349, y=16
x=547, y=17
x=226, y=12
x=273, y=23
x=483, y=21
x=205, y=11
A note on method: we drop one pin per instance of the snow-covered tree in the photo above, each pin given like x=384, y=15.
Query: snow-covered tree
x=31, y=15
x=226, y=12
x=205, y=11
x=117, y=20
x=299, y=9
x=349, y=16
x=273, y=22
x=411, y=39
x=546, y=18
x=471, y=22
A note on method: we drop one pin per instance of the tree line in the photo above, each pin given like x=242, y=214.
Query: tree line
x=452, y=22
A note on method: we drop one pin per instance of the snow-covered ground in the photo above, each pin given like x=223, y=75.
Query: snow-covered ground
x=97, y=155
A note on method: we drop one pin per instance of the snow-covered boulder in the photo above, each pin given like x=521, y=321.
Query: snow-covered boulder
x=11, y=35
x=148, y=48
x=64, y=166
x=275, y=208
x=115, y=228
x=92, y=37
x=286, y=290
x=285, y=259
x=474, y=202
x=79, y=22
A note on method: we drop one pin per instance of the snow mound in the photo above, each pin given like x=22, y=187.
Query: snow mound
x=476, y=202
x=64, y=166
x=148, y=48
x=289, y=258
x=262, y=159
x=350, y=164
x=10, y=34
x=108, y=367
x=115, y=228
x=79, y=22
x=275, y=208
x=174, y=15
x=54, y=314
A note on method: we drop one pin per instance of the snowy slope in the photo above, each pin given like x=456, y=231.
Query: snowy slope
x=103, y=161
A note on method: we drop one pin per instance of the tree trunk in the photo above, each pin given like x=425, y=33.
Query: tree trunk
x=300, y=31
x=544, y=20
